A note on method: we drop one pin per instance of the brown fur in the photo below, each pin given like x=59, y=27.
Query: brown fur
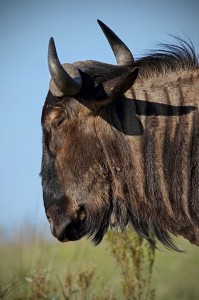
x=148, y=178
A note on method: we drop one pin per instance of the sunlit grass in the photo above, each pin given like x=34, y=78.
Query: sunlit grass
x=32, y=263
x=176, y=275
x=32, y=267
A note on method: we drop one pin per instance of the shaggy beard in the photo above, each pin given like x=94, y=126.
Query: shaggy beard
x=98, y=222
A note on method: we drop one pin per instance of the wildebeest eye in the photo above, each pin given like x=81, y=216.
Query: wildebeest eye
x=54, y=118
x=58, y=121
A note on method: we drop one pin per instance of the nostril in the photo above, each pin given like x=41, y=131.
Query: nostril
x=60, y=230
x=68, y=227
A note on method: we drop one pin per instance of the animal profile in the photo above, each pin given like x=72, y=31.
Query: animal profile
x=121, y=144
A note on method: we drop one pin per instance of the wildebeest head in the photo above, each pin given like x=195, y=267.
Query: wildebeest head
x=82, y=109
x=113, y=154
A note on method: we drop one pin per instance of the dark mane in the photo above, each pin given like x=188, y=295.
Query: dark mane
x=170, y=57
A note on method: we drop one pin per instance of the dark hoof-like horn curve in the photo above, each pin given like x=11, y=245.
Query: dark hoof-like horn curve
x=66, y=84
x=122, y=53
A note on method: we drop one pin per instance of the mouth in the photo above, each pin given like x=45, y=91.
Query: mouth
x=69, y=229
x=83, y=223
x=75, y=231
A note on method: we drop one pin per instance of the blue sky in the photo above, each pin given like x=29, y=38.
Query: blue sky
x=25, y=30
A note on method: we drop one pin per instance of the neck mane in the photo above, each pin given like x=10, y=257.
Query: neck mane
x=169, y=58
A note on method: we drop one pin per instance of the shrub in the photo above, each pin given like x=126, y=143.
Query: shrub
x=135, y=257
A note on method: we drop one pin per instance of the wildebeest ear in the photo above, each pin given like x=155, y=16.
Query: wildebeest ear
x=115, y=87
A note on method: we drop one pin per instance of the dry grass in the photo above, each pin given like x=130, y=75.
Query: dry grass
x=122, y=267
x=135, y=258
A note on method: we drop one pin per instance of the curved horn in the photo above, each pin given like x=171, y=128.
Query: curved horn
x=122, y=53
x=63, y=81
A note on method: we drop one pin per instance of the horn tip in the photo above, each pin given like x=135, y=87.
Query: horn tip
x=101, y=24
x=98, y=21
x=51, y=44
x=51, y=48
x=51, y=40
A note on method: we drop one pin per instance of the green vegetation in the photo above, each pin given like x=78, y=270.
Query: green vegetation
x=135, y=259
x=119, y=268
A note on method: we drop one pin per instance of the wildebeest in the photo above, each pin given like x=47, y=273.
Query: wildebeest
x=121, y=144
